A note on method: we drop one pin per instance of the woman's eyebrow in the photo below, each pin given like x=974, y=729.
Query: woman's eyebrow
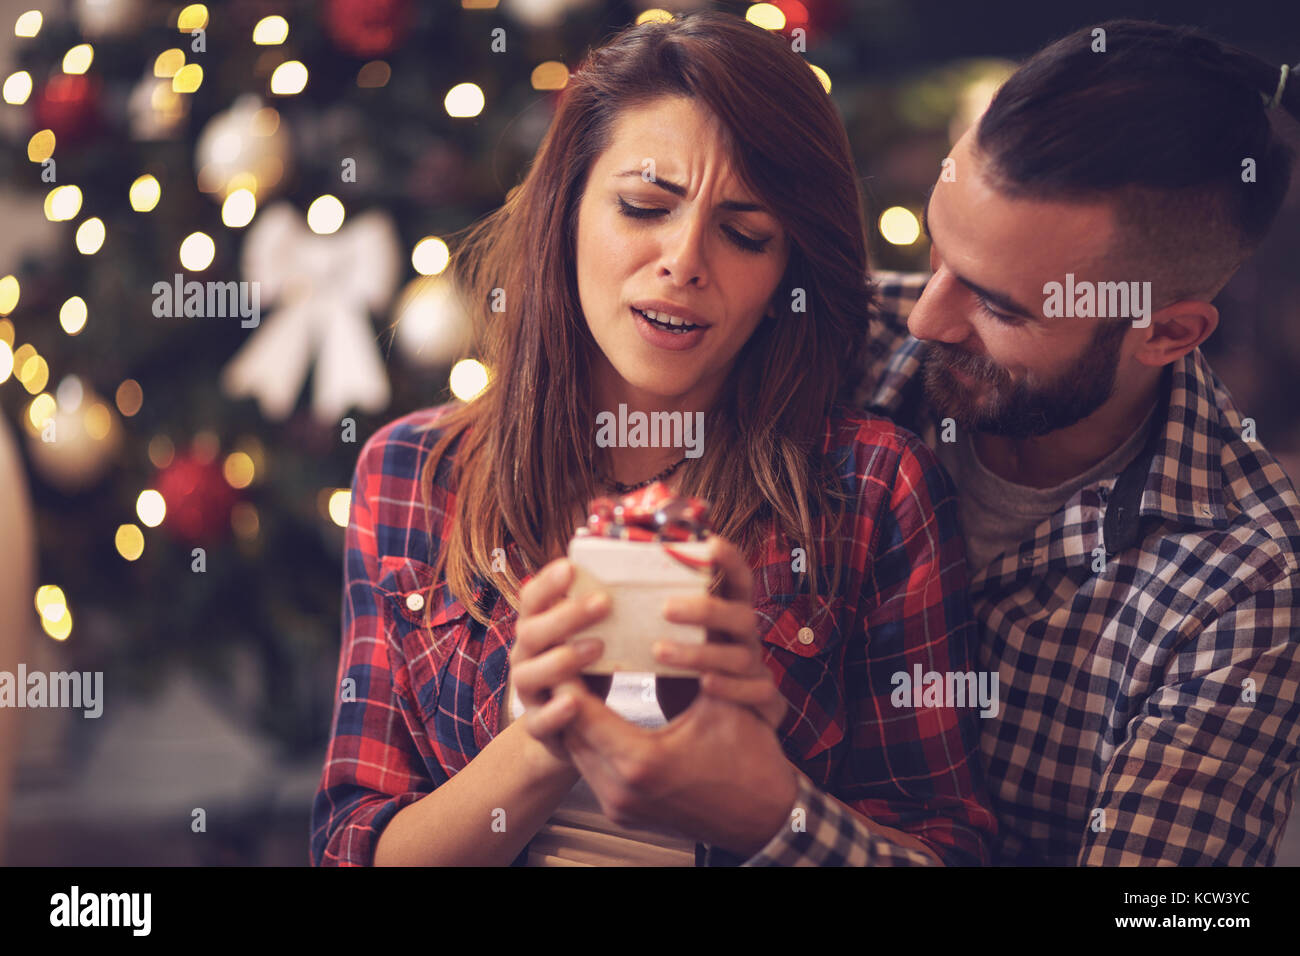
x=734, y=205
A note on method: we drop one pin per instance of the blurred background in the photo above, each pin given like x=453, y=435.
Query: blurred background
x=173, y=486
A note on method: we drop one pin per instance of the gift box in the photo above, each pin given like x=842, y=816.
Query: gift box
x=641, y=550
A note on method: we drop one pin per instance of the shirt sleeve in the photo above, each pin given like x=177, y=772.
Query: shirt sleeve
x=913, y=769
x=373, y=767
x=894, y=295
x=1206, y=773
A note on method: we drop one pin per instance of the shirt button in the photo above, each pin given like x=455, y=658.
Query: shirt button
x=415, y=602
x=806, y=635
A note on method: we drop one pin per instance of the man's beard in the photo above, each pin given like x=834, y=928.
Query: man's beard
x=1020, y=409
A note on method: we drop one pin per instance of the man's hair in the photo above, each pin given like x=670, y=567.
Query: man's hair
x=1161, y=124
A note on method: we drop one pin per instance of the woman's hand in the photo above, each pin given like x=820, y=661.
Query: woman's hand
x=545, y=668
x=731, y=662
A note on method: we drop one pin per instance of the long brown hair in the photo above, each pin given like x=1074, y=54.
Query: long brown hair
x=528, y=456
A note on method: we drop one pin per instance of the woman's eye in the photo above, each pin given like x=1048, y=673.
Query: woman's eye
x=638, y=212
x=747, y=243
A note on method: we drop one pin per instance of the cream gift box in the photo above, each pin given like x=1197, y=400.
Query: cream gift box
x=638, y=576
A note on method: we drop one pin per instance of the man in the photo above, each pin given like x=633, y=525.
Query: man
x=1132, y=546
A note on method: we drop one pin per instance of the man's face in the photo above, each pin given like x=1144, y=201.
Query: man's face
x=692, y=239
x=992, y=360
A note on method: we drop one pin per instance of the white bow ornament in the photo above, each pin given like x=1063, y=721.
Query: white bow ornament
x=325, y=287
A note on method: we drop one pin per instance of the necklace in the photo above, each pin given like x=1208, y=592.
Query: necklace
x=623, y=489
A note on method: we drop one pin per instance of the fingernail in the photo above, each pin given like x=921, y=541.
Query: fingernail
x=589, y=646
x=597, y=602
x=664, y=651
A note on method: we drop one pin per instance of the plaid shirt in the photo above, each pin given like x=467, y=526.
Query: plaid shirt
x=1151, y=703
x=428, y=698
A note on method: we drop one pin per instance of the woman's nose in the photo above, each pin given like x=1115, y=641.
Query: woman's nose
x=683, y=255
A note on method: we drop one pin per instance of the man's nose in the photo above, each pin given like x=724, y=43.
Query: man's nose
x=940, y=313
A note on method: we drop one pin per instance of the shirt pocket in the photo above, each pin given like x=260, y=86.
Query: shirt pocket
x=804, y=650
x=424, y=625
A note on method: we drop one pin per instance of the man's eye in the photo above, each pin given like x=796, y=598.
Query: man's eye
x=995, y=314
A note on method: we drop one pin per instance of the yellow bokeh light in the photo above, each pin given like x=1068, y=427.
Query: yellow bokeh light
x=270, y=31
x=145, y=193
x=62, y=203
x=129, y=541
x=244, y=520
x=464, y=100
x=468, y=378
x=18, y=86
x=197, y=251
x=325, y=215
x=150, y=508
x=9, y=292
x=766, y=15
x=28, y=24
x=188, y=78
x=129, y=397
x=168, y=63
x=51, y=602
x=22, y=354
x=6, y=361
x=60, y=629
x=238, y=469
x=7, y=332
x=78, y=59
x=430, y=256
x=34, y=374
x=289, y=78
x=193, y=17
x=654, y=15
x=264, y=122
x=41, y=409
x=339, y=506
x=72, y=316
x=374, y=74
x=41, y=146
x=239, y=208
x=161, y=451
x=551, y=75
x=98, y=421
x=90, y=236
x=899, y=226
x=822, y=76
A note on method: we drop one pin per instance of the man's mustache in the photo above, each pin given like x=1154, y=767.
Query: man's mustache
x=941, y=356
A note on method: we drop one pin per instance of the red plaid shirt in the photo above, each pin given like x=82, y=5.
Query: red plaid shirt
x=426, y=699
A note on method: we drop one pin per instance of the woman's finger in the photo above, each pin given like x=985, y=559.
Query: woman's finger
x=736, y=581
x=538, y=632
x=546, y=587
x=732, y=620
x=535, y=677
x=759, y=693
x=551, y=717
x=741, y=660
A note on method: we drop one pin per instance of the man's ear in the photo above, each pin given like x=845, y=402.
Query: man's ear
x=1175, y=330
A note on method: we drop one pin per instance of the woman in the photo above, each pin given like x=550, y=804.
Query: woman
x=688, y=240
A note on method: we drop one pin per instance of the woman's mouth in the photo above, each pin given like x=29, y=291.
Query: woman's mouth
x=661, y=332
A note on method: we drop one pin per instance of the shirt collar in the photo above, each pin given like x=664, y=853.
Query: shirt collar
x=1177, y=476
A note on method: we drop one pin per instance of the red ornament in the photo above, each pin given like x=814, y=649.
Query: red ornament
x=368, y=28
x=69, y=105
x=199, y=500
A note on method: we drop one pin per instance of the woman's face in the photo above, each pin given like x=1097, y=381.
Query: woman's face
x=664, y=226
